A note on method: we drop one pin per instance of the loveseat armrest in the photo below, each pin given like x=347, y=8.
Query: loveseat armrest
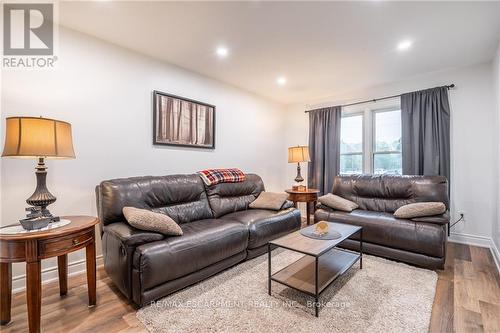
x=319, y=205
x=131, y=236
x=437, y=219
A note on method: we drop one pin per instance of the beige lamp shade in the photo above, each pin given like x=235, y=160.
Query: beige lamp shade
x=38, y=137
x=298, y=154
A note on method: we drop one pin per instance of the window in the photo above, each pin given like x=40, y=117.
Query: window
x=387, y=142
x=351, y=144
x=370, y=142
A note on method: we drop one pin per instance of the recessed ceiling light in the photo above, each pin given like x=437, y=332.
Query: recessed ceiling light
x=222, y=51
x=404, y=45
x=281, y=80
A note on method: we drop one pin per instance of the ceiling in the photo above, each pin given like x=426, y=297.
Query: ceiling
x=322, y=48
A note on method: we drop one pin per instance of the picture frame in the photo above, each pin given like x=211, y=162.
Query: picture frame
x=182, y=122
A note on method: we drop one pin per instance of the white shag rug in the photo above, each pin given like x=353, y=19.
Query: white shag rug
x=384, y=296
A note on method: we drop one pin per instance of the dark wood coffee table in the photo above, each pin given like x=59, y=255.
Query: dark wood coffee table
x=322, y=264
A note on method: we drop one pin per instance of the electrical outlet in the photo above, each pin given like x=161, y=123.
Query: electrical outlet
x=457, y=222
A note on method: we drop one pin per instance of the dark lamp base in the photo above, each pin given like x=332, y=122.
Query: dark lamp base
x=38, y=216
x=299, y=177
x=34, y=224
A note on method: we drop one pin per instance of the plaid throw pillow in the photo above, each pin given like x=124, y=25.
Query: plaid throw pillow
x=216, y=176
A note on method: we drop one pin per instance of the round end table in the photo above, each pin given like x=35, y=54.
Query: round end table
x=308, y=196
x=31, y=247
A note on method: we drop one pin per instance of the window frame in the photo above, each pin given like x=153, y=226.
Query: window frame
x=369, y=129
x=362, y=153
x=374, y=151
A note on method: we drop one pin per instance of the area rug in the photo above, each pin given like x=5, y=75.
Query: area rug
x=384, y=296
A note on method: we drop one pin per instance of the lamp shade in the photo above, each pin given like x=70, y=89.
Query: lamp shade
x=38, y=137
x=298, y=154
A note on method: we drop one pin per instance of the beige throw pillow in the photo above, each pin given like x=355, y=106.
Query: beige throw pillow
x=269, y=200
x=147, y=220
x=420, y=209
x=339, y=203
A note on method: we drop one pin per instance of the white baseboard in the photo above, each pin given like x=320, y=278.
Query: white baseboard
x=496, y=254
x=480, y=241
x=50, y=274
x=468, y=239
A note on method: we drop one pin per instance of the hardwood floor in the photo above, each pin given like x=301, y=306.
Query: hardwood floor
x=468, y=292
x=467, y=300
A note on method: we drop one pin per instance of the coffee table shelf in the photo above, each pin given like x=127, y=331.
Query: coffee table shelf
x=300, y=275
x=323, y=261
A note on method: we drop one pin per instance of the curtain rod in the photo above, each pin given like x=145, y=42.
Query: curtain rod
x=380, y=99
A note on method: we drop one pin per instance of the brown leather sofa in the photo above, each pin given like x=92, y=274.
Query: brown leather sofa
x=419, y=241
x=219, y=231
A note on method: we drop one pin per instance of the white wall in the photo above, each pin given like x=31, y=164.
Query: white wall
x=105, y=92
x=473, y=167
x=496, y=87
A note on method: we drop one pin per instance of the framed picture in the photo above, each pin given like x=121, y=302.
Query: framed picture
x=179, y=121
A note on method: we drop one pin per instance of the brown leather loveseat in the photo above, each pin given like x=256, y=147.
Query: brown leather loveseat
x=418, y=241
x=218, y=231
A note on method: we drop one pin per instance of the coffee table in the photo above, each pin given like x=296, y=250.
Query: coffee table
x=323, y=262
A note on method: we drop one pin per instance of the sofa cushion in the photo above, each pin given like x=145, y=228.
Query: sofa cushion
x=265, y=225
x=182, y=197
x=227, y=198
x=384, y=229
x=269, y=200
x=420, y=209
x=203, y=243
x=147, y=220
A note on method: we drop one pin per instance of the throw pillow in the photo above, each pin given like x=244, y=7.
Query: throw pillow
x=147, y=220
x=269, y=200
x=420, y=209
x=336, y=202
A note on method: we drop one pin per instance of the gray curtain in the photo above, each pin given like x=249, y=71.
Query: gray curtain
x=324, y=148
x=425, y=117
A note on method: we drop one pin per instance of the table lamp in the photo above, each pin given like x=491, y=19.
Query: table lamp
x=40, y=138
x=298, y=154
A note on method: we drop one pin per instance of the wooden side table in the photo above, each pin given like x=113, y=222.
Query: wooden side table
x=308, y=196
x=31, y=248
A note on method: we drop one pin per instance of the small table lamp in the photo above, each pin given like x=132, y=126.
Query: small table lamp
x=296, y=155
x=31, y=137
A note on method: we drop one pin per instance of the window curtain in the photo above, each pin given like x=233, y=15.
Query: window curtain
x=324, y=148
x=425, y=117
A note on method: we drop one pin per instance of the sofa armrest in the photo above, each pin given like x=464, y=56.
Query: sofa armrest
x=131, y=236
x=119, y=241
x=319, y=205
x=437, y=219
